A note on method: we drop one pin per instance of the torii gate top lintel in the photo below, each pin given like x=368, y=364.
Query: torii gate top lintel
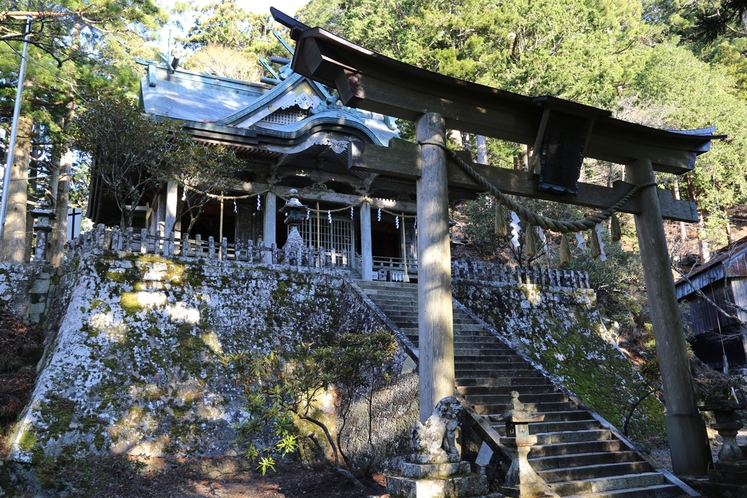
x=377, y=83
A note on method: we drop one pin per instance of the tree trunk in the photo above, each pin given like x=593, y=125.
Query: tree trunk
x=14, y=235
x=61, y=194
x=58, y=237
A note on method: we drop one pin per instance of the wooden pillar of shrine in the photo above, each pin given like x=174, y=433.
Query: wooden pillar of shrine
x=435, y=312
x=172, y=200
x=688, y=443
x=268, y=232
x=366, y=243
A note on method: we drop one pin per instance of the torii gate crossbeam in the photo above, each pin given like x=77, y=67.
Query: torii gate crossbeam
x=376, y=83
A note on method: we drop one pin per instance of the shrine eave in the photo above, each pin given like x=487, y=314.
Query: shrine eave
x=371, y=81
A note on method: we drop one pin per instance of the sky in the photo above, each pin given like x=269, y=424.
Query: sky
x=289, y=7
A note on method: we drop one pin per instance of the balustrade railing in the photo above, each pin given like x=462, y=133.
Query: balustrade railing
x=128, y=242
x=490, y=272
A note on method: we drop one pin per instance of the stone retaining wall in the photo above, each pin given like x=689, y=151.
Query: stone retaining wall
x=134, y=364
x=24, y=290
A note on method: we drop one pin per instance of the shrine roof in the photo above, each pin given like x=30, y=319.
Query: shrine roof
x=368, y=80
x=193, y=96
x=286, y=118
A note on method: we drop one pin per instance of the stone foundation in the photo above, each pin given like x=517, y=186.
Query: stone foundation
x=445, y=480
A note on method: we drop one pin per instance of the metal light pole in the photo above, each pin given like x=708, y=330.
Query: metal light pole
x=14, y=127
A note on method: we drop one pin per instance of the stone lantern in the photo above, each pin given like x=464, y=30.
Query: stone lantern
x=295, y=213
x=42, y=228
x=728, y=477
x=521, y=480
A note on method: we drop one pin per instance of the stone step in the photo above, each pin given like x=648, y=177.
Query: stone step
x=596, y=471
x=534, y=398
x=469, y=327
x=585, y=487
x=469, y=391
x=658, y=491
x=545, y=407
x=582, y=459
x=497, y=358
x=391, y=297
x=575, y=448
x=573, y=436
x=397, y=306
x=388, y=294
x=494, y=361
x=560, y=416
x=460, y=324
x=502, y=381
x=552, y=427
x=394, y=301
x=485, y=351
x=475, y=333
x=567, y=416
x=503, y=372
x=491, y=366
x=411, y=328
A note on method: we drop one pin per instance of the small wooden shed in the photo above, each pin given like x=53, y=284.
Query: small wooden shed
x=723, y=281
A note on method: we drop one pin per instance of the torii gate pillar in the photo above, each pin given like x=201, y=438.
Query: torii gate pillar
x=435, y=312
x=688, y=443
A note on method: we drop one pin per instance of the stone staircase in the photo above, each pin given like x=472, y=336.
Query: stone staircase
x=575, y=454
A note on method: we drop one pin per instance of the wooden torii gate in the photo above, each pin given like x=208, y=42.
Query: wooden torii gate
x=370, y=81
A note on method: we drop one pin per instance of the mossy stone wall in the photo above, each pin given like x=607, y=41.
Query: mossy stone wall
x=135, y=366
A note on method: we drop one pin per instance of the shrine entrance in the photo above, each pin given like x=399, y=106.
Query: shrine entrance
x=560, y=134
